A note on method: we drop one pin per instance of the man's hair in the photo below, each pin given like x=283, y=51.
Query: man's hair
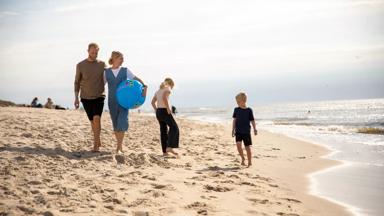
x=93, y=45
x=241, y=96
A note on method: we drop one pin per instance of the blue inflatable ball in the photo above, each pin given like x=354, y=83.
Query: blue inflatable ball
x=129, y=94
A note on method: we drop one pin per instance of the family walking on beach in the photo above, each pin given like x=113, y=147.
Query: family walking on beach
x=91, y=77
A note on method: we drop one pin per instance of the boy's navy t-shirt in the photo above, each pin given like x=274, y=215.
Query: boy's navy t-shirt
x=243, y=118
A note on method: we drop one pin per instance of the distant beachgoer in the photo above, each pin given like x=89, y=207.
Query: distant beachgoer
x=89, y=83
x=160, y=103
x=50, y=105
x=241, y=129
x=119, y=115
x=174, y=110
x=35, y=103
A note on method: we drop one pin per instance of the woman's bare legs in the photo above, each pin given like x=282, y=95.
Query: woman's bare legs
x=119, y=137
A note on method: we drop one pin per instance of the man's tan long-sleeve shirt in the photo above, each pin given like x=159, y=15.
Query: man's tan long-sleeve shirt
x=89, y=79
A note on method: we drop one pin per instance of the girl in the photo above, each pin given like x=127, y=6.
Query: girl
x=119, y=115
x=160, y=102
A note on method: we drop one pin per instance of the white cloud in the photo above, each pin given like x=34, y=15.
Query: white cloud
x=8, y=13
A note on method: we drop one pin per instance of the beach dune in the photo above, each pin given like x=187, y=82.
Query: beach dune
x=47, y=169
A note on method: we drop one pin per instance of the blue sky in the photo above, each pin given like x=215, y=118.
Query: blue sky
x=276, y=51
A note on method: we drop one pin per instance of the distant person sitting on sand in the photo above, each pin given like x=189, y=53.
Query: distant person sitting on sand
x=89, y=83
x=241, y=129
x=160, y=103
x=174, y=110
x=119, y=115
x=35, y=103
x=50, y=105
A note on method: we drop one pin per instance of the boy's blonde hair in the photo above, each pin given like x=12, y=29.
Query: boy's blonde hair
x=167, y=82
x=241, y=97
x=114, y=55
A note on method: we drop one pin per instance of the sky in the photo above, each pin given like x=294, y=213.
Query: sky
x=275, y=51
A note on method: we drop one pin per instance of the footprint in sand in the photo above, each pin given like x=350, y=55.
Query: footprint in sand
x=249, y=184
x=217, y=188
x=259, y=201
x=189, y=183
x=199, y=178
x=139, y=202
x=152, y=178
x=202, y=208
x=233, y=176
x=287, y=214
x=140, y=213
x=163, y=187
x=216, y=174
x=262, y=178
x=292, y=200
x=155, y=193
x=225, y=182
x=34, y=183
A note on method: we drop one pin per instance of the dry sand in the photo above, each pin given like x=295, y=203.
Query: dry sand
x=47, y=169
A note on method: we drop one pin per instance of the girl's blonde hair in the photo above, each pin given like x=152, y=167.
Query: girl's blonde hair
x=167, y=82
x=114, y=55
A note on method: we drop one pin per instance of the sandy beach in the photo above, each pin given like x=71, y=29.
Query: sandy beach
x=47, y=169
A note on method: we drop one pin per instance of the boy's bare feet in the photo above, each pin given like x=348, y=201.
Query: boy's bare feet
x=249, y=164
x=243, y=161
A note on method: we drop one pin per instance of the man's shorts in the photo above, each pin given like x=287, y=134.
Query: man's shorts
x=93, y=107
x=245, y=138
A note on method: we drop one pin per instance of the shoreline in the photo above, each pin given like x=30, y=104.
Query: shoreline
x=48, y=167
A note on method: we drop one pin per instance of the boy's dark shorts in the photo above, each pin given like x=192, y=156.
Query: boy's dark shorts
x=246, y=138
x=93, y=107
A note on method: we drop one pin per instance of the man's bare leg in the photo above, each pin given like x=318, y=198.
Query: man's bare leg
x=240, y=150
x=96, y=129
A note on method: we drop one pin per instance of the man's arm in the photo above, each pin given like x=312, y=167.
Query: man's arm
x=77, y=86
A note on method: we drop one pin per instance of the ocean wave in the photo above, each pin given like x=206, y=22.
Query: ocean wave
x=278, y=122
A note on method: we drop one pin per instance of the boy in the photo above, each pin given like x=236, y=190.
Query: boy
x=242, y=116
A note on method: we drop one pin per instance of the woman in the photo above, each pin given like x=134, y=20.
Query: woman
x=35, y=103
x=160, y=102
x=119, y=115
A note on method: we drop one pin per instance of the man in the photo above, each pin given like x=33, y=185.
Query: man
x=89, y=82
